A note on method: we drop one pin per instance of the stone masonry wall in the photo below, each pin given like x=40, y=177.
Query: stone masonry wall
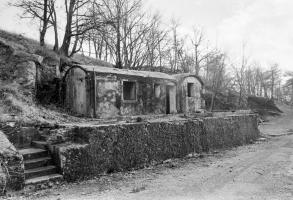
x=101, y=149
x=12, y=167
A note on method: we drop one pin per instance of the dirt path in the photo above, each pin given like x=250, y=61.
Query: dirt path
x=279, y=125
x=259, y=171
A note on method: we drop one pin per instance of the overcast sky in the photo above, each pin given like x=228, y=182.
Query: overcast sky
x=265, y=26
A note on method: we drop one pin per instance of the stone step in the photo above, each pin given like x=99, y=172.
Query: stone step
x=40, y=144
x=40, y=171
x=44, y=179
x=33, y=153
x=38, y=162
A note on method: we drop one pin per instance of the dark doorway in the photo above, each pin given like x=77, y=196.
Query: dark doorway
x=168, y=100
x=190, y=89
x=129, y=90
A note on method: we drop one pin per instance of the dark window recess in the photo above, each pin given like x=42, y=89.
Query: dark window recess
x=129, y=90
x=190, y=89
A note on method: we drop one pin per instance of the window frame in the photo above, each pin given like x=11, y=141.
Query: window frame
x=136, y=89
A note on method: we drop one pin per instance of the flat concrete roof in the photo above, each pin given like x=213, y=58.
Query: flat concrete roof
x=145, y=74
x=185, y=75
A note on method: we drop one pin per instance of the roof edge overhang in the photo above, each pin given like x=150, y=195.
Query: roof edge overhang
x=126, y=72
x=181, y=77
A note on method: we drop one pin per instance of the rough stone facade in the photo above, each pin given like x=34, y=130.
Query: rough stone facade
x=12, y=167
x=3, y=179
x=109, y=93
x=102, y=92
x=91, y=151
x=189, y=99
x=20, y=135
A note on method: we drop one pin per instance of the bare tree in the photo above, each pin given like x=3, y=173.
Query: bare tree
x=200, y=55
x=78, y=21
x=53, y=22
x=75, y=24
x=274, y=78
x=241, y=83
x=196, y=42
x=39, y=10
x=218, y=80
x=119, y=11
x=154, y=42
x=82, y=16
x=174, y=27
x=240, y=78
x=288, y=86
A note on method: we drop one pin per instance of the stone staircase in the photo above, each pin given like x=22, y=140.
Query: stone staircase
x=39, y=166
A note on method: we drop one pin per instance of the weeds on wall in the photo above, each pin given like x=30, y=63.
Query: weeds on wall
x=4, y=183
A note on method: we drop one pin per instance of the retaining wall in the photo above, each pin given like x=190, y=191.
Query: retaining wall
x=12, y=167
x=91, y=151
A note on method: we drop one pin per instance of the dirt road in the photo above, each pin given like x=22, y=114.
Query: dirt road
x=263, y=170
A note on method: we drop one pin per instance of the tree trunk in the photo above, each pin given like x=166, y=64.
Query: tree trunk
x=56, y=45
x=196, y=61
x=160, y=55
x=106, y=52
x=74, y=47
x=64, y=50
x=101, y=49
x=273, y=85
x=42, y=37
x=95, y=47
x=118, y=48
x=212, y=102
x=240, y=97
x=45, y=24
x=175, y=50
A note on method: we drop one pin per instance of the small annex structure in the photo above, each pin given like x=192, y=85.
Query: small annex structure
x=189, y=93
x=103, y=92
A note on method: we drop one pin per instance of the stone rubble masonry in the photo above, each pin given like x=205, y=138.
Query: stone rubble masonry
x=12, y=166
x=91, y=151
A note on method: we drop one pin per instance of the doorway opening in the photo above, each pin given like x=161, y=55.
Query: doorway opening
x=170, y=99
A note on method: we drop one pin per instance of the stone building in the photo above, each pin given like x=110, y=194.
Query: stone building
x=189, y=90
x=103, y=92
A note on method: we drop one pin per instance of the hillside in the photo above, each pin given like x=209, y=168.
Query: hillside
x=20, y=57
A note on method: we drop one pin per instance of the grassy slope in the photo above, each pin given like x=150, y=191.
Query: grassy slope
x=15, y=103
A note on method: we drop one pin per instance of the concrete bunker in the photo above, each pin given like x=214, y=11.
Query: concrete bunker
x=189, y=89
x=103, y=92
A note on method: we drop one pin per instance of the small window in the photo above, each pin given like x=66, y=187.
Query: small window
x=190, y=89
x=129, y=90
x=157, y=90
